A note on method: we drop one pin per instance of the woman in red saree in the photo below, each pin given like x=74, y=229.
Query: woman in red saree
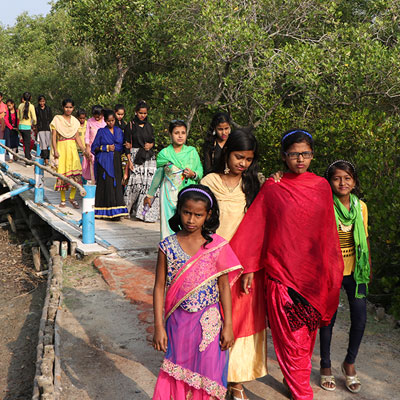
x=294, y=240
x=193, y=265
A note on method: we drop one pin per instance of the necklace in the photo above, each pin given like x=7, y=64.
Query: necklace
x=345, y=228
x=230, y=188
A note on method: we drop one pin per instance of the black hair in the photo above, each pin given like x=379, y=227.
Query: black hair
x=193, y=192
x=15, y=125
x=141, y=104
x=97, y=109
x=41, y=97
x=81, y=111
x=175, y=123
x=346, y=166
x=119, y=107
x=218, y=118
x=66, y=101
x=1, y=94
x=296, y=136
x=27, y=97
x=240, y=140
x=108, y=113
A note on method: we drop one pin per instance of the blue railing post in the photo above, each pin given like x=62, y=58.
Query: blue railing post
x=88, y=214
x=15, y=192
x=38, y=151
x=39, y=181
x=2, y=151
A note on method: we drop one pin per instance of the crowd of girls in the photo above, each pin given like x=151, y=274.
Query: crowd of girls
x=218, y=288
x=284, y=275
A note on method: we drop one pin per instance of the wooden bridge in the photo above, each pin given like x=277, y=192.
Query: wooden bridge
x=111, y=236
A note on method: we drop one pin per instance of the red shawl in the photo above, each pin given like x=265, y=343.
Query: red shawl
x=290, y=231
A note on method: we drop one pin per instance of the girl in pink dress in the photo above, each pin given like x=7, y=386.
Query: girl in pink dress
x=192, y=267
x=92, y=126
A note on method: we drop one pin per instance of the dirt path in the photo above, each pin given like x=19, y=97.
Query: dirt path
x=21, y=302
x=106, y=354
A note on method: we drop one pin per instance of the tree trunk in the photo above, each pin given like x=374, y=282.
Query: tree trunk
x=121, y=76
x=190, y=117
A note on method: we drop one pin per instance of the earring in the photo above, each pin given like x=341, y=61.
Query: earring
x=226, y=170
x=214, y=133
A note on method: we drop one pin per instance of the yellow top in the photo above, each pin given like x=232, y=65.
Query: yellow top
x=248, y=356
x=31, y=120
x=64, y=128
x=81, y=132
x=231, y=202
x=347, y=243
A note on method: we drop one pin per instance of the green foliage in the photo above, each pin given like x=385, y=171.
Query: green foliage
x=330, y=67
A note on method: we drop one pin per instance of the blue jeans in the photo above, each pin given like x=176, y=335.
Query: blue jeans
x=358, y=317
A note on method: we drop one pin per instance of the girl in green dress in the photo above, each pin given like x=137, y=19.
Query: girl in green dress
x=178, y=166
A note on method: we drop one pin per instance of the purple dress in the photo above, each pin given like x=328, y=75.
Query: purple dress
x=194, y=366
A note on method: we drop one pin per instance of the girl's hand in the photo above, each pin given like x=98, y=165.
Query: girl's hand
x=227, y=339
x=247, y=281
x=188, y=173
x=128, y=145
x=130, y=165
x=160, y=339
x=147, y=201
x=56, y=154
x=277, y=176
x=148, y=146
x=111, y=147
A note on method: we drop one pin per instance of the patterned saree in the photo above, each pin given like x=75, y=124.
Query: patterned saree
x=194, y=366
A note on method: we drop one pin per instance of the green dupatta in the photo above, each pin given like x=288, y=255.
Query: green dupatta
x=186, y=158
x=354, y=216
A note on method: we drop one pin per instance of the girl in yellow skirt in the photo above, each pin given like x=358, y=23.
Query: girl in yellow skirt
x=64, y=129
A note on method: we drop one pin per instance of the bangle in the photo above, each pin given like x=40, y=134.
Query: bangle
x=195, y=175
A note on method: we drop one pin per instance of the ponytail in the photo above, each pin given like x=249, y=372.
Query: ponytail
x=27, y=97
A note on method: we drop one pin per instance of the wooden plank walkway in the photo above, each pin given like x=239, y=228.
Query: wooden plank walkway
x=111, y=236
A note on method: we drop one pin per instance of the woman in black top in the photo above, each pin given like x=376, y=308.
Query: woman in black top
x=119, y=110
x=139, y=142
x=44, y=116
x=217, y=135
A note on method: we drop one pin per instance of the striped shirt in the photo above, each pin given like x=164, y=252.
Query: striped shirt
x=347, y=243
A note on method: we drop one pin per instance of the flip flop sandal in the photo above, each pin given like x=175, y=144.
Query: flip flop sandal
x=324, y=379
x=74, y=203
x=240, y=391
x=351, y=380
x=62, y=204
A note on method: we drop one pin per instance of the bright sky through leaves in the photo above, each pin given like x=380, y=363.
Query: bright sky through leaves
x=11, y=9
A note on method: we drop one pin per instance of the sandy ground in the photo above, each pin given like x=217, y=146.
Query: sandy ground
x=106, y=353
x=21, y=302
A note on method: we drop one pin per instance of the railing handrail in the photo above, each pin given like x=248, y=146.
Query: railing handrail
x=81, y=189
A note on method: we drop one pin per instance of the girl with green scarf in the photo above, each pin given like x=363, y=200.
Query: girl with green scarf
x=352, y=222
x=178, y=166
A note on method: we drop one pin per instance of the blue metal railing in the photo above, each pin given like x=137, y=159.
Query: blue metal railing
x=87, y=192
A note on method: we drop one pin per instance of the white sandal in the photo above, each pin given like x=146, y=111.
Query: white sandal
x=327, y=379
x=351, y=380
x=233, y=397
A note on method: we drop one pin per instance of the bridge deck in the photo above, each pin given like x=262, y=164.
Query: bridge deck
x=121, y=236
